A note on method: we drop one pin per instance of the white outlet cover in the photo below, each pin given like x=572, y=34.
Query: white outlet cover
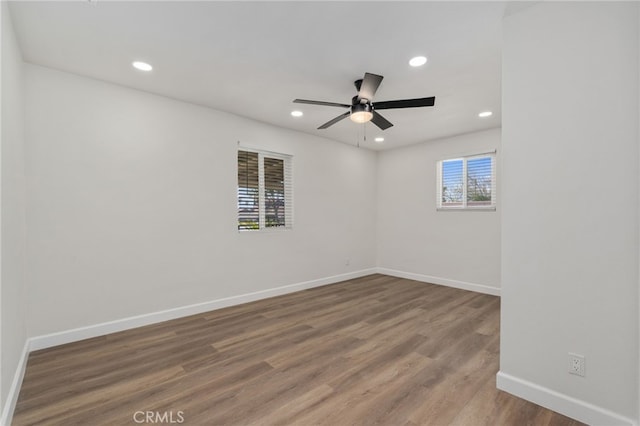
x=576, y=364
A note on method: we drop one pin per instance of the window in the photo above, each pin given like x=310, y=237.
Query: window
x=264, y=190
x=467, y=182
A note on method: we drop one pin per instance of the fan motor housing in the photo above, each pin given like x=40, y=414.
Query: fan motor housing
x=356, y=101
x=361, y=107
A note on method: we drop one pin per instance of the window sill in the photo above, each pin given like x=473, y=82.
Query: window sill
x=273, y=230
x=466, y=209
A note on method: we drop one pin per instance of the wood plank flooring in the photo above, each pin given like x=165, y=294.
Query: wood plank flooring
x=374, y=350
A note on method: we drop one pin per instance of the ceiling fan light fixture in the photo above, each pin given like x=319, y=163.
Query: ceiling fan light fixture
x=361, y=113
x=361, y=109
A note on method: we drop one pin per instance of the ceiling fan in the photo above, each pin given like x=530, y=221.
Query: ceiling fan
x=363, y=109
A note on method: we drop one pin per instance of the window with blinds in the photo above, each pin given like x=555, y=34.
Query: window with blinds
x=264, y=190
x=467, y=182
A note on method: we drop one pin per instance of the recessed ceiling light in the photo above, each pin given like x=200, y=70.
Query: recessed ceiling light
x=379, y=140
x=485, y=114
x=296, y=113
x=142, y=66
x=418, y=61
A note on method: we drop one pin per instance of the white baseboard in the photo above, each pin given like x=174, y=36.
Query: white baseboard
x=559, y=402
x=68, y=336
x=478, y=288
x=14, y=390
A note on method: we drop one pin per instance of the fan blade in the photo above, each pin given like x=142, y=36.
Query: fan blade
x=406, y=103
x=380, y=121
x=306, y=101
x=335, y=120
x=370, y=84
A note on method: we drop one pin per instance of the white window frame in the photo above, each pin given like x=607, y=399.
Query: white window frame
x=464, y=206
x=288, y=190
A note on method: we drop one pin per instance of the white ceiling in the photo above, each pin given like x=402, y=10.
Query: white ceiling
x=254, y=58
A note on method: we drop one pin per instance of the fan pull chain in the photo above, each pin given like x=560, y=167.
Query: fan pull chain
x=364, y=133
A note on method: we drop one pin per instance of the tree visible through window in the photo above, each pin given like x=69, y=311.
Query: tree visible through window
x=264, y=190
x=452, y=183
x=274, y=197
x=467, y=182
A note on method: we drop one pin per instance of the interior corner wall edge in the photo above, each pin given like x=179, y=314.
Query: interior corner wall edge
x=570, y=240
x=415, y=238
x=13, y=252
x=132, y=205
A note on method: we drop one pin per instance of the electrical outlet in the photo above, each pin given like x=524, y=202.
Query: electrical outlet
x=576, y=364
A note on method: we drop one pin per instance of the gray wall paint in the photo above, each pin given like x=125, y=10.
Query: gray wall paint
x=12, y=284
x=570, y=200
x=132, y=202
x=414, y=237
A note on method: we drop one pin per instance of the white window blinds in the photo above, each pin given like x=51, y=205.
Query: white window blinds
x=467, y=182
x=265, y=190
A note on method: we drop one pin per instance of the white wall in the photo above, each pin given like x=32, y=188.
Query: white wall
x=13, y=251
x=132, y=205
x=570, y=206
x=459, y=248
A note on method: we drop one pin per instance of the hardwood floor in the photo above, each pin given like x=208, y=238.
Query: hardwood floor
x=374, y=350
